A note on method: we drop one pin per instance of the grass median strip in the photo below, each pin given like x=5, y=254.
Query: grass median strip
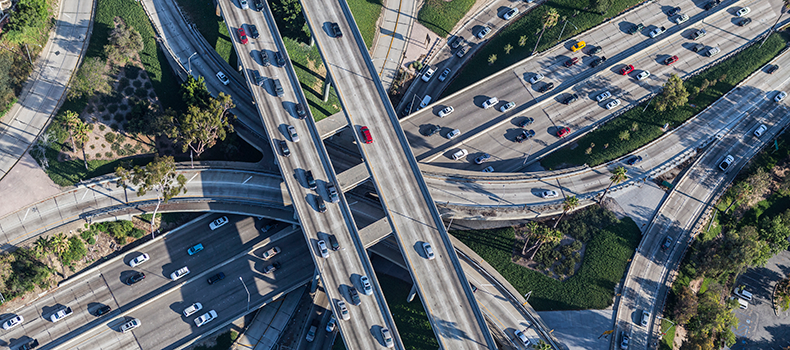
x=441, y=16
x=212, y=27
x=366, y=14
x=522, y=34
x=635, y=128
x=311, y=73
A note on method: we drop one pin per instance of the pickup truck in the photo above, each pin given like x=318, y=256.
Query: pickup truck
x=61, y=314
x=658, y=31
x=311, y=332
x=270, y=253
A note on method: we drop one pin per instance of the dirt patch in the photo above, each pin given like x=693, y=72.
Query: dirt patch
x=680, y=336
x=695, y=285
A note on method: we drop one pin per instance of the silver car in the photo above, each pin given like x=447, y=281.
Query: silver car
x=322, y=249
x=128, y=326
x=428, y=250
x=193, y=309
x=139, y=260
x=205, y=318
x=367, y=289
x=292, y=133
x=446, y=111
x=453, y=134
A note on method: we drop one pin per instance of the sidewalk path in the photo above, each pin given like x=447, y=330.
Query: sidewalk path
x=45, y=89
x=395, y=23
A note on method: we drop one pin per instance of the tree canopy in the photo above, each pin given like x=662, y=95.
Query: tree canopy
x=674, y=94
x=125, y=42
x=91, y=78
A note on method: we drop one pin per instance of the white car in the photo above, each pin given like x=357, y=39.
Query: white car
x=507, y=106
x=218, y=223
x=367, y=289
x=760, y=130
x=322, y=249
x=604, y=95
x=780, y=96
x=244, y=4
x=330, y=326
x=643, y=75
x=445, y=74
x=139, y=260
x=536, y=78
x=460, y=154
x=13, y=322
x=179, y=273
x=341, y=307
x=549, y=194
x=725, y=164
x=428, y=250
x=613, y=103
x=385, y=335
x=645, y=318
x=193, y=309
x=428, y=74
x=656, y=32
x=681, y=18
x=446, y=111
x=490, y=102
x=61, y=314
x=128, y=326
x=483, y=32
x=205, y=318
x=453, y=134
x=292, y=133
x=743, y=11
x=510, y=14
x=222, y=78
x=522, y=338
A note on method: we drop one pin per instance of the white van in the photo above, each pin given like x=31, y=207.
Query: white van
x=425, y=101
x=743, y=293
x=713, y=51
x=460, y=154
x=742, y=303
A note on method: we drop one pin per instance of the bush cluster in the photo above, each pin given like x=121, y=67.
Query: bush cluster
x=119, y=230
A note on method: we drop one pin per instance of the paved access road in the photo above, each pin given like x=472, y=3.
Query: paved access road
x=455, y=317
x=493, y=132
x=646, y=282
x=106, y=285
x=344, y=268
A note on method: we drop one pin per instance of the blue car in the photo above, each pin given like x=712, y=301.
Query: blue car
x=192, y=251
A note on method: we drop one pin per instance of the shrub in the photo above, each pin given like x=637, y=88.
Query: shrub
x=108, y=154
x=152, y=94
x=75, y=252
x=26, y=273
x=110, y=137
x=147, y=84
x=119, y=117
x=89, y=109
x=141, y=92
x=123, y=106
x=102, y=127
x=131, y=72
x=137, y=83
x=105, y=117
x=112, y=108
x=123, y=83
x=129, y=91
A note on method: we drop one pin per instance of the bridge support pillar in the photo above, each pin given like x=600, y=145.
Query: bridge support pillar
x=412, y=293
x=327, y=84
x=314, y=284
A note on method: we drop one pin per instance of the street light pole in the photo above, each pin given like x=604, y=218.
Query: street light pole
x=248, y=293
x=189, y=61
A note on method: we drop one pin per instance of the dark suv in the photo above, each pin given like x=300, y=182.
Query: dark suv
x=284, y=148
x=667, y=243
x=710, y=5
x=308, y=176
x=279, y=58
x=253, y=31
x=336, y=30
x=264, y=58
x=597, y=62
x=571, y=99
x=216, y=278
x=333, y=242
x=546, y=87
x=636, y=28
x=102, y=310
x=136, y=277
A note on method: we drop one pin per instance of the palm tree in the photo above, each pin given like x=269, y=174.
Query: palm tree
x=60, y=243
x=542, y=345
x=549, y=20
x=542, y=235
x=81, y=131
x=618, y=176
x=570, y=204
x=70, y=120
x=41, y=246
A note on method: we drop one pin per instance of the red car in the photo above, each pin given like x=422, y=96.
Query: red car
x=366, y=138
x=563, y=132
x=242, y=36
x=627, y=69
x=571, y=62
x=671, y=60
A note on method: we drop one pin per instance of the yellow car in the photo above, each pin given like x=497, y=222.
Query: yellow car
x=580, y=45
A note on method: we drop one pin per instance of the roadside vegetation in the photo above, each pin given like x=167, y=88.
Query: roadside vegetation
x=212, y=27
x=750, y=226
x=540, y=29
x=561, y=275
x=410, y=318
x=636, y=128
x=441, y=16
x=123, y=107
x=22, y=39
x=224, y=341
x=366, y=14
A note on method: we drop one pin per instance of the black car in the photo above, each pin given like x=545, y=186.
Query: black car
x=31, y=344
x=595, y=50
x=673, y=11
x=667, y=243
x=279, y=58
x=320, y=205
x=698, y=48
x=546, y=87
x=634, y=160
x=524, y=135
x=710, y=5
x=333, y=242
x=474, y=289
x=136, y=277
x=526, y=121
x=253, y=31
x=433, y=130
x=636, y=28
x=354, y=295
x=264, y=58
x=744, y=21
x=308, y=176
x=571, y=99
x=216, y=278
x=284, y=148
x=597, y=62
x=258, y=5
x=336, y=30
x=300, y=111
x=772, y=69
x=102, y=310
